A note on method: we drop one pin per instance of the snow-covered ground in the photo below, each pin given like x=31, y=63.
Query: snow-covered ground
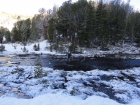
x=15, y=48
x=44, y=48
x=57, y=87
x=59, y=99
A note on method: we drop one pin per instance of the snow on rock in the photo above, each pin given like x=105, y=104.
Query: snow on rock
x=121, y=86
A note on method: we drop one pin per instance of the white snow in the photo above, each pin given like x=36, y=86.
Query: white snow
x=15, y=48
x=19, y=87
x=42, y=89
x=61, y=99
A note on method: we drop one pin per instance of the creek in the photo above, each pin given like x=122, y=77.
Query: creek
x=74, y=63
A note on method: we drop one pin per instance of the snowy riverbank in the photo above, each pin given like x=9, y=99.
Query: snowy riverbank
x=18, y=84
x=44, y=49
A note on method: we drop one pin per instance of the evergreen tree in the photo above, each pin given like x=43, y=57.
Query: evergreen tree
x=4, y=33
x=64, y=24
x=137, y=27
x=16, y=32
x=131, y=27
x=8, y=36
x=91, y=24
x=36, y=27
x=84, y=23
x=25, y=28
x=21, y=31
x=102, y=29
x=51, y=30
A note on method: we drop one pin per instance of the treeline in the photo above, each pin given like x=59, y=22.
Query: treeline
x=92, y=23
x=28, y=30
x=83, y=23
x=5, y=35
x=24, y=31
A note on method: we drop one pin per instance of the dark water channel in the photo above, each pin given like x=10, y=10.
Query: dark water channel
x=89, y=63
x=76, y=63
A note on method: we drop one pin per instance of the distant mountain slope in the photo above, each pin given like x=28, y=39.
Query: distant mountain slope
x=7, y=19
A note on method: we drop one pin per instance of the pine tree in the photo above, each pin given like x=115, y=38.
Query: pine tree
x=91, y=24
x=36, y=28
x=102, y=24
x=51, y=30
x=137, y=27
x=4, y=33
x=16, y=32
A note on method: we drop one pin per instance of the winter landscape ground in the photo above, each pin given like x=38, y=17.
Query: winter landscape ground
x=18, y=84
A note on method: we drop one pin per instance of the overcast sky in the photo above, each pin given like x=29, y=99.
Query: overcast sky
x=28, y=6
x=32, y=6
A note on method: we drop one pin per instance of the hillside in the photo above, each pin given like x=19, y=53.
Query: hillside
x=7, y=19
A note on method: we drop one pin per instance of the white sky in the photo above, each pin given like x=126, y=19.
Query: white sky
x=32, y=6
x=135, y=4
x=28, y=6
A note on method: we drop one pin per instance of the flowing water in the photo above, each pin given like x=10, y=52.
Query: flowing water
x=74, y=63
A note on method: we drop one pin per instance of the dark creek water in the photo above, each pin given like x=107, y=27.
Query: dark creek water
x=88, y=63
x=76, y=63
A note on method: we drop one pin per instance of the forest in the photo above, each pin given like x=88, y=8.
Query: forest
x=79, y=24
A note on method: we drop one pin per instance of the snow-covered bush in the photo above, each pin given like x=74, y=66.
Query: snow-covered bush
x=38, y=70
x=75, y=91
x=58, y=47
x=17, y=70
x=2, y=48
x=36, y=47
x=24, y=49
x=44, y=81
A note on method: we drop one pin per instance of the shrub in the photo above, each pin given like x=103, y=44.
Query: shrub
x=24, y=49
x=2, y=48
x=36, y=47
x=75, y=91
x=44, y=81
x=38, y=70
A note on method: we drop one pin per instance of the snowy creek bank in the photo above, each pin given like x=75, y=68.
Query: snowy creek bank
x=75, y=62
x=119, y=85
x=80, y=76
